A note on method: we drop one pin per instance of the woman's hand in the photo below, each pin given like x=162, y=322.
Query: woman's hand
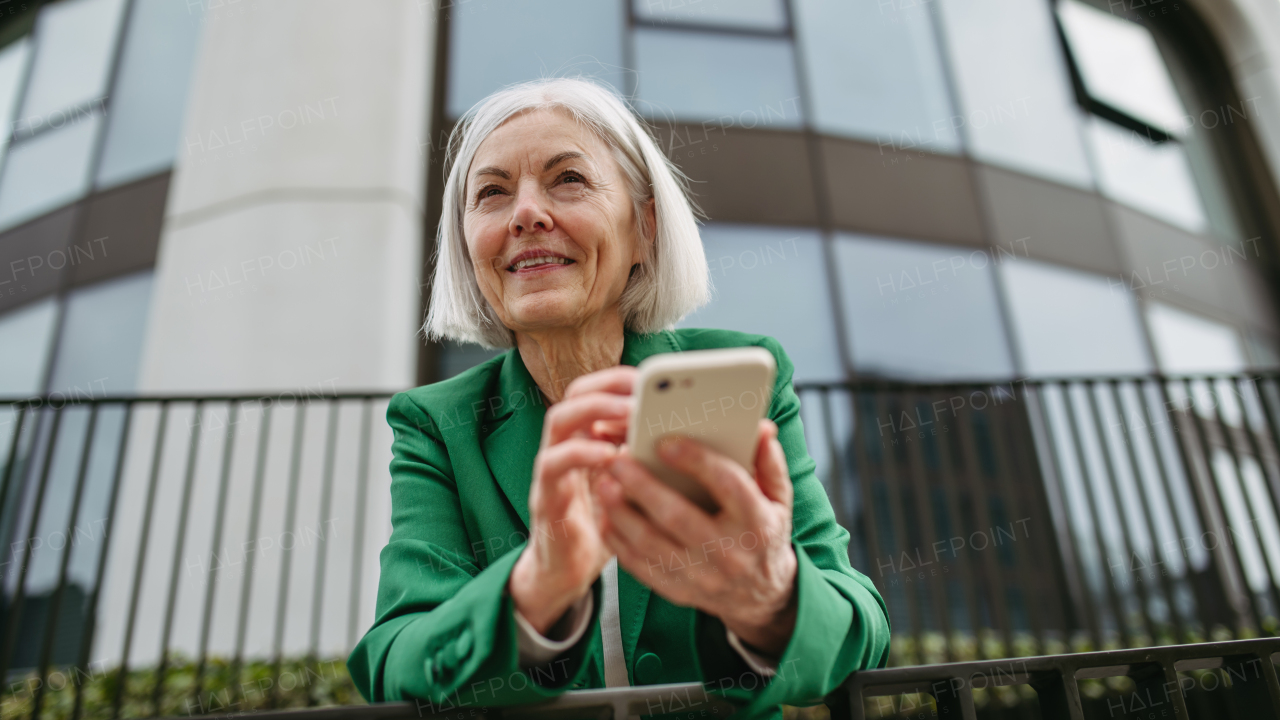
x=737, y=564
x=566, y=551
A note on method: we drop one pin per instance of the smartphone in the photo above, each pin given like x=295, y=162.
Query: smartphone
x=716, y=397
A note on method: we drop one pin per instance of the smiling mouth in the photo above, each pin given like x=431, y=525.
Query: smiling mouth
x=537, y=262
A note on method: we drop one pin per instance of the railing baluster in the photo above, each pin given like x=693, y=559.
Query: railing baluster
x=893, y=491
x=1267, y=552
x=290, y=517
x=357, y=538
x=326, y=494
x=1004, y=463
x=1270, y=479
x=1273, y=431
x=55, y=604
x=1127, y=543
x=139, y=567
x=211, y=577
x=980, y=498
x=19, y=594
x=870, y=523
x=1082, y=596
x=1140, y=484
x=968, y=574
x=86, y=640
x=1248, y=615
x=936, y=590
x=1113, y=593
x=242, y=615
x=181, y=530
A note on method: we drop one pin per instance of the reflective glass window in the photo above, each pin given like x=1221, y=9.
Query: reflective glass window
x=737, y=81
x=1189, y=343
x=48, y=170
x=25, y=335
x=499, y=42
x=1121, y=66
x=75, y=40
x=13, y=63
x=772, y=281
x=1068, y=322
x=921, y=311
x=752, y=14
x=1015, y=97
x=102, y=337
x=874, y=72
x=1152, y=177
x=150, y=92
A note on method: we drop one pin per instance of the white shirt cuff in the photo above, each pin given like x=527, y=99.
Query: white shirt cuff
x=536, y=649
x=762, y=665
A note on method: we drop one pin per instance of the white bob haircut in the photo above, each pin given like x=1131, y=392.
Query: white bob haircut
x=672, y=279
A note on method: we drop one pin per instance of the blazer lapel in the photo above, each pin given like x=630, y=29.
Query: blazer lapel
x=514, y=413
x=513, y=410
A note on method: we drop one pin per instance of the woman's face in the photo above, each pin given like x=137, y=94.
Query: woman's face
x=549, y=223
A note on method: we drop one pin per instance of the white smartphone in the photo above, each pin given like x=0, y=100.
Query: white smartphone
x=716, y=397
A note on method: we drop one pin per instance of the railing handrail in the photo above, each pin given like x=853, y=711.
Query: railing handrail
x=1153, y=669
x=864, y=383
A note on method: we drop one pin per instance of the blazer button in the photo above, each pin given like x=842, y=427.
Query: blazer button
x=648, y=669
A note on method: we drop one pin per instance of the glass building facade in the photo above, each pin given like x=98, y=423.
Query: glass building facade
x=92, y=95
x=924, y=190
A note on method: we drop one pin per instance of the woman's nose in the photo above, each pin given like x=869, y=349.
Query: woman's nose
x=531, y=213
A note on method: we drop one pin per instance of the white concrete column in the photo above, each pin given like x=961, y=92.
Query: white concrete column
x=291, y=254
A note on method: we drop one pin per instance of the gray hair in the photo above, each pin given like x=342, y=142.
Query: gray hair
x=672, y=280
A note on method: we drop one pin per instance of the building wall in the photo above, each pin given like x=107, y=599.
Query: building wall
x=291, y=250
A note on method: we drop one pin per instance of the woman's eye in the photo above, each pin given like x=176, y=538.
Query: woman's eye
x=572, y=177
x=488, y=192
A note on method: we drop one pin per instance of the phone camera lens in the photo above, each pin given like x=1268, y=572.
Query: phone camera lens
x=663, y=384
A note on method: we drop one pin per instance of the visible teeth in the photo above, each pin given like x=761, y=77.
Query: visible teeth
x=540, y=261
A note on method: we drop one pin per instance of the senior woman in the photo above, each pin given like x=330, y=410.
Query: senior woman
x=529, y=554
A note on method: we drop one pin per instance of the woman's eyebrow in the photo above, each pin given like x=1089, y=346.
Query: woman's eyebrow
x=491, y=170
x=561, y=157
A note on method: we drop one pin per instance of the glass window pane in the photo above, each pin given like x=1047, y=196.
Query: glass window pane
x=739, y=81
x=1152, y=177
x=492, y=45
x=13, y=62
x=752, y=14
x=1121, y=65
x=875, y=73
x=151, y=90
x=772, y=281
x=1017, y=105
x=1068, y=322
x=25, y=335
x=74, y=44
x=920, y=311
x=102, y=337
x=1188, y=343
x=47, y=171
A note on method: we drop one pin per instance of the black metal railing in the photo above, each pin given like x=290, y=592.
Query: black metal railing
x=1233, y=680
x=186, y=555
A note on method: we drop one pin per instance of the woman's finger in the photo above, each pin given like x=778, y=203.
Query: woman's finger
x=555, y=461
x=618, y=379
x=636, y=530
x=726, y=480
x=665, y=507
x=772, y=474
x=577, y=414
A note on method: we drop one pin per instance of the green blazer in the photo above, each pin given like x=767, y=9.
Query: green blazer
x=445, y=633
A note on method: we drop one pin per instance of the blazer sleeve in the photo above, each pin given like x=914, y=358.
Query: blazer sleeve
x=444, y=630
x=842, y=622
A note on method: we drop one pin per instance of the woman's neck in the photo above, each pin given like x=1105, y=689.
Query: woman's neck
x=555, y=357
